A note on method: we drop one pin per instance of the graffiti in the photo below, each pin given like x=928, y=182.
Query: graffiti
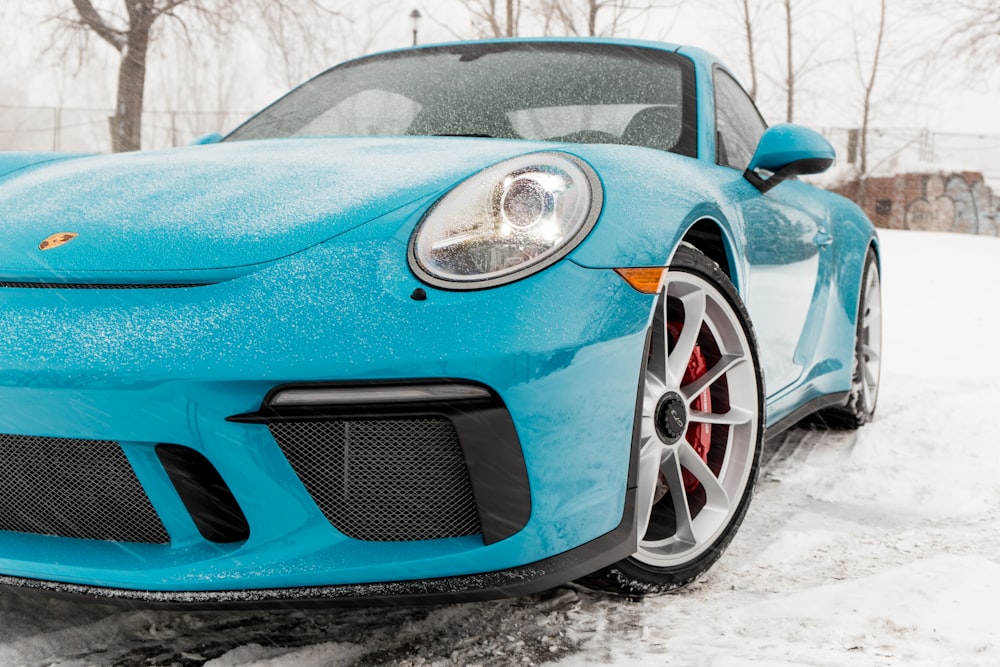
x=952, y=204
x=944, y=202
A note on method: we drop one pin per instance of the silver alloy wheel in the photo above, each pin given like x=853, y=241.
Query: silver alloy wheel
x=676, y=525
x=870, y=335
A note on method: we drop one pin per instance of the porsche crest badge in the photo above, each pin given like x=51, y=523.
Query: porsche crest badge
x=57, y=240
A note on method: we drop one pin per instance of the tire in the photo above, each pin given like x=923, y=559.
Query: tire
x=860, y=406
x=700, y=433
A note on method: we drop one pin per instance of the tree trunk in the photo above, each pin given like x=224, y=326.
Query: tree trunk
x=748, y=28
x=866, y=106
x=132, y=43
x=790, y=72
x=126, y=124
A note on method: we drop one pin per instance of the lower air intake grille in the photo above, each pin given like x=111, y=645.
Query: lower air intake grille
x=74, y=488
x=384, y=480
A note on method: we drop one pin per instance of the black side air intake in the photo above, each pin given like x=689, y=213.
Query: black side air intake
x=205, y=494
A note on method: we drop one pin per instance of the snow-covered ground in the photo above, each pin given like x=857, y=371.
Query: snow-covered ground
x=875, y=548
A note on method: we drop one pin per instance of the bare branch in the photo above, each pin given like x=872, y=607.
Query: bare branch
x=789, y=64
x=974, y=33
x=492, y=20
x=167, y=8
x=92, y=20
x=869, y=87
x=290, y=24
x=749, y=21
x=595, y=17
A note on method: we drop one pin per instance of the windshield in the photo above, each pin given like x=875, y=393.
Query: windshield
x=581, y=93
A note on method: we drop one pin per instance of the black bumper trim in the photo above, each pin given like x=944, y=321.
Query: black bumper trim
x=523, y=580
x=486, y=434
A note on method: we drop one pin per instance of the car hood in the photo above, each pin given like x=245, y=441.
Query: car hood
x=224, y=206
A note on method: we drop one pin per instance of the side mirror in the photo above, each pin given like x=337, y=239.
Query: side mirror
x=788, y=150
x=205, y=139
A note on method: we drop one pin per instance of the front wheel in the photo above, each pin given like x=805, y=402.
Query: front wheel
x=700, y=432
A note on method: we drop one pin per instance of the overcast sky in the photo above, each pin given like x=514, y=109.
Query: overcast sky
x=833, y=37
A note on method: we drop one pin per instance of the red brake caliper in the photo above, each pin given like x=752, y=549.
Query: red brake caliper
x=699, y=436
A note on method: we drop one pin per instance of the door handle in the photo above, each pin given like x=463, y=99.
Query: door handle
x=823, y=238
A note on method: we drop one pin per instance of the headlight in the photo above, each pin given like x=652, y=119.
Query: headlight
x=506, y=222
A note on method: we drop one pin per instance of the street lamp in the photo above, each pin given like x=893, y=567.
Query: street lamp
x=415, y=18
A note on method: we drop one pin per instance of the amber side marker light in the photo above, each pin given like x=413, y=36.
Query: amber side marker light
x=645, y=280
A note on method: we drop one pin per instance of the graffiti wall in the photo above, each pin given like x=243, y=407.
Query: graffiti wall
x=943, y=202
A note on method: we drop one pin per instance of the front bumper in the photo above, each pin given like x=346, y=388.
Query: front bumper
x=144, y=368
x=523, y=580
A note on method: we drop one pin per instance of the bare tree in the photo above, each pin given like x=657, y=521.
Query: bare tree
x=286, y=24
x=495, y=18
x=133, y=28
x=749, y=12
x=789, y=64
x=130, y=36
x=805, y=52
x=974, y=31
x=868, y=83
x=593, y=17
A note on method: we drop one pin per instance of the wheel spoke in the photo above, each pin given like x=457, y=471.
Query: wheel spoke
x=649, y=472
x=870, y=378
x=734, y=417
x=721, y=367
x=870, y=354
x=656, y=365
x=671, y=469
x=653, y=389
x=694, y=316
x=647, y=429
x=716, y=496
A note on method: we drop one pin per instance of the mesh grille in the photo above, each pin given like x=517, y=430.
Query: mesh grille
x=74, y=488
x=384, y=480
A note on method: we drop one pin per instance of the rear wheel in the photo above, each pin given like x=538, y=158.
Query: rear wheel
x=860, y=406
x=700, y=432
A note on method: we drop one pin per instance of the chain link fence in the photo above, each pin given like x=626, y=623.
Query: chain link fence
x=76, y=130
x=915, y=150
x=68, y=129
x=917, y=179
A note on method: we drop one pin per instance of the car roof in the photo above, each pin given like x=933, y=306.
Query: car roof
x=701, y=58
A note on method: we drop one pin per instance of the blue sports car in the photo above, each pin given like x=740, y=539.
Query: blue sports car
x=468, y=320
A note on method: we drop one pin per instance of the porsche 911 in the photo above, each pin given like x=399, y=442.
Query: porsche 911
x=449, y=322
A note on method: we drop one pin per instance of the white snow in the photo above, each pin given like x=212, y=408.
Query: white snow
x=875, y=548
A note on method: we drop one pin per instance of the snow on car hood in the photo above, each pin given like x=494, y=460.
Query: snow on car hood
x=212, y=207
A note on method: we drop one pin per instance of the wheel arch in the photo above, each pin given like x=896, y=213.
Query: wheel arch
x=876, y=248
x=708, y=236
x=872, y=247
x=850, y=271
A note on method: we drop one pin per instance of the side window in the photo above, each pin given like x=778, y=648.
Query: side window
x=738, y=124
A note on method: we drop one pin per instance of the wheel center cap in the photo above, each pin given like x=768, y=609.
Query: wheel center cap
x=671, y=417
